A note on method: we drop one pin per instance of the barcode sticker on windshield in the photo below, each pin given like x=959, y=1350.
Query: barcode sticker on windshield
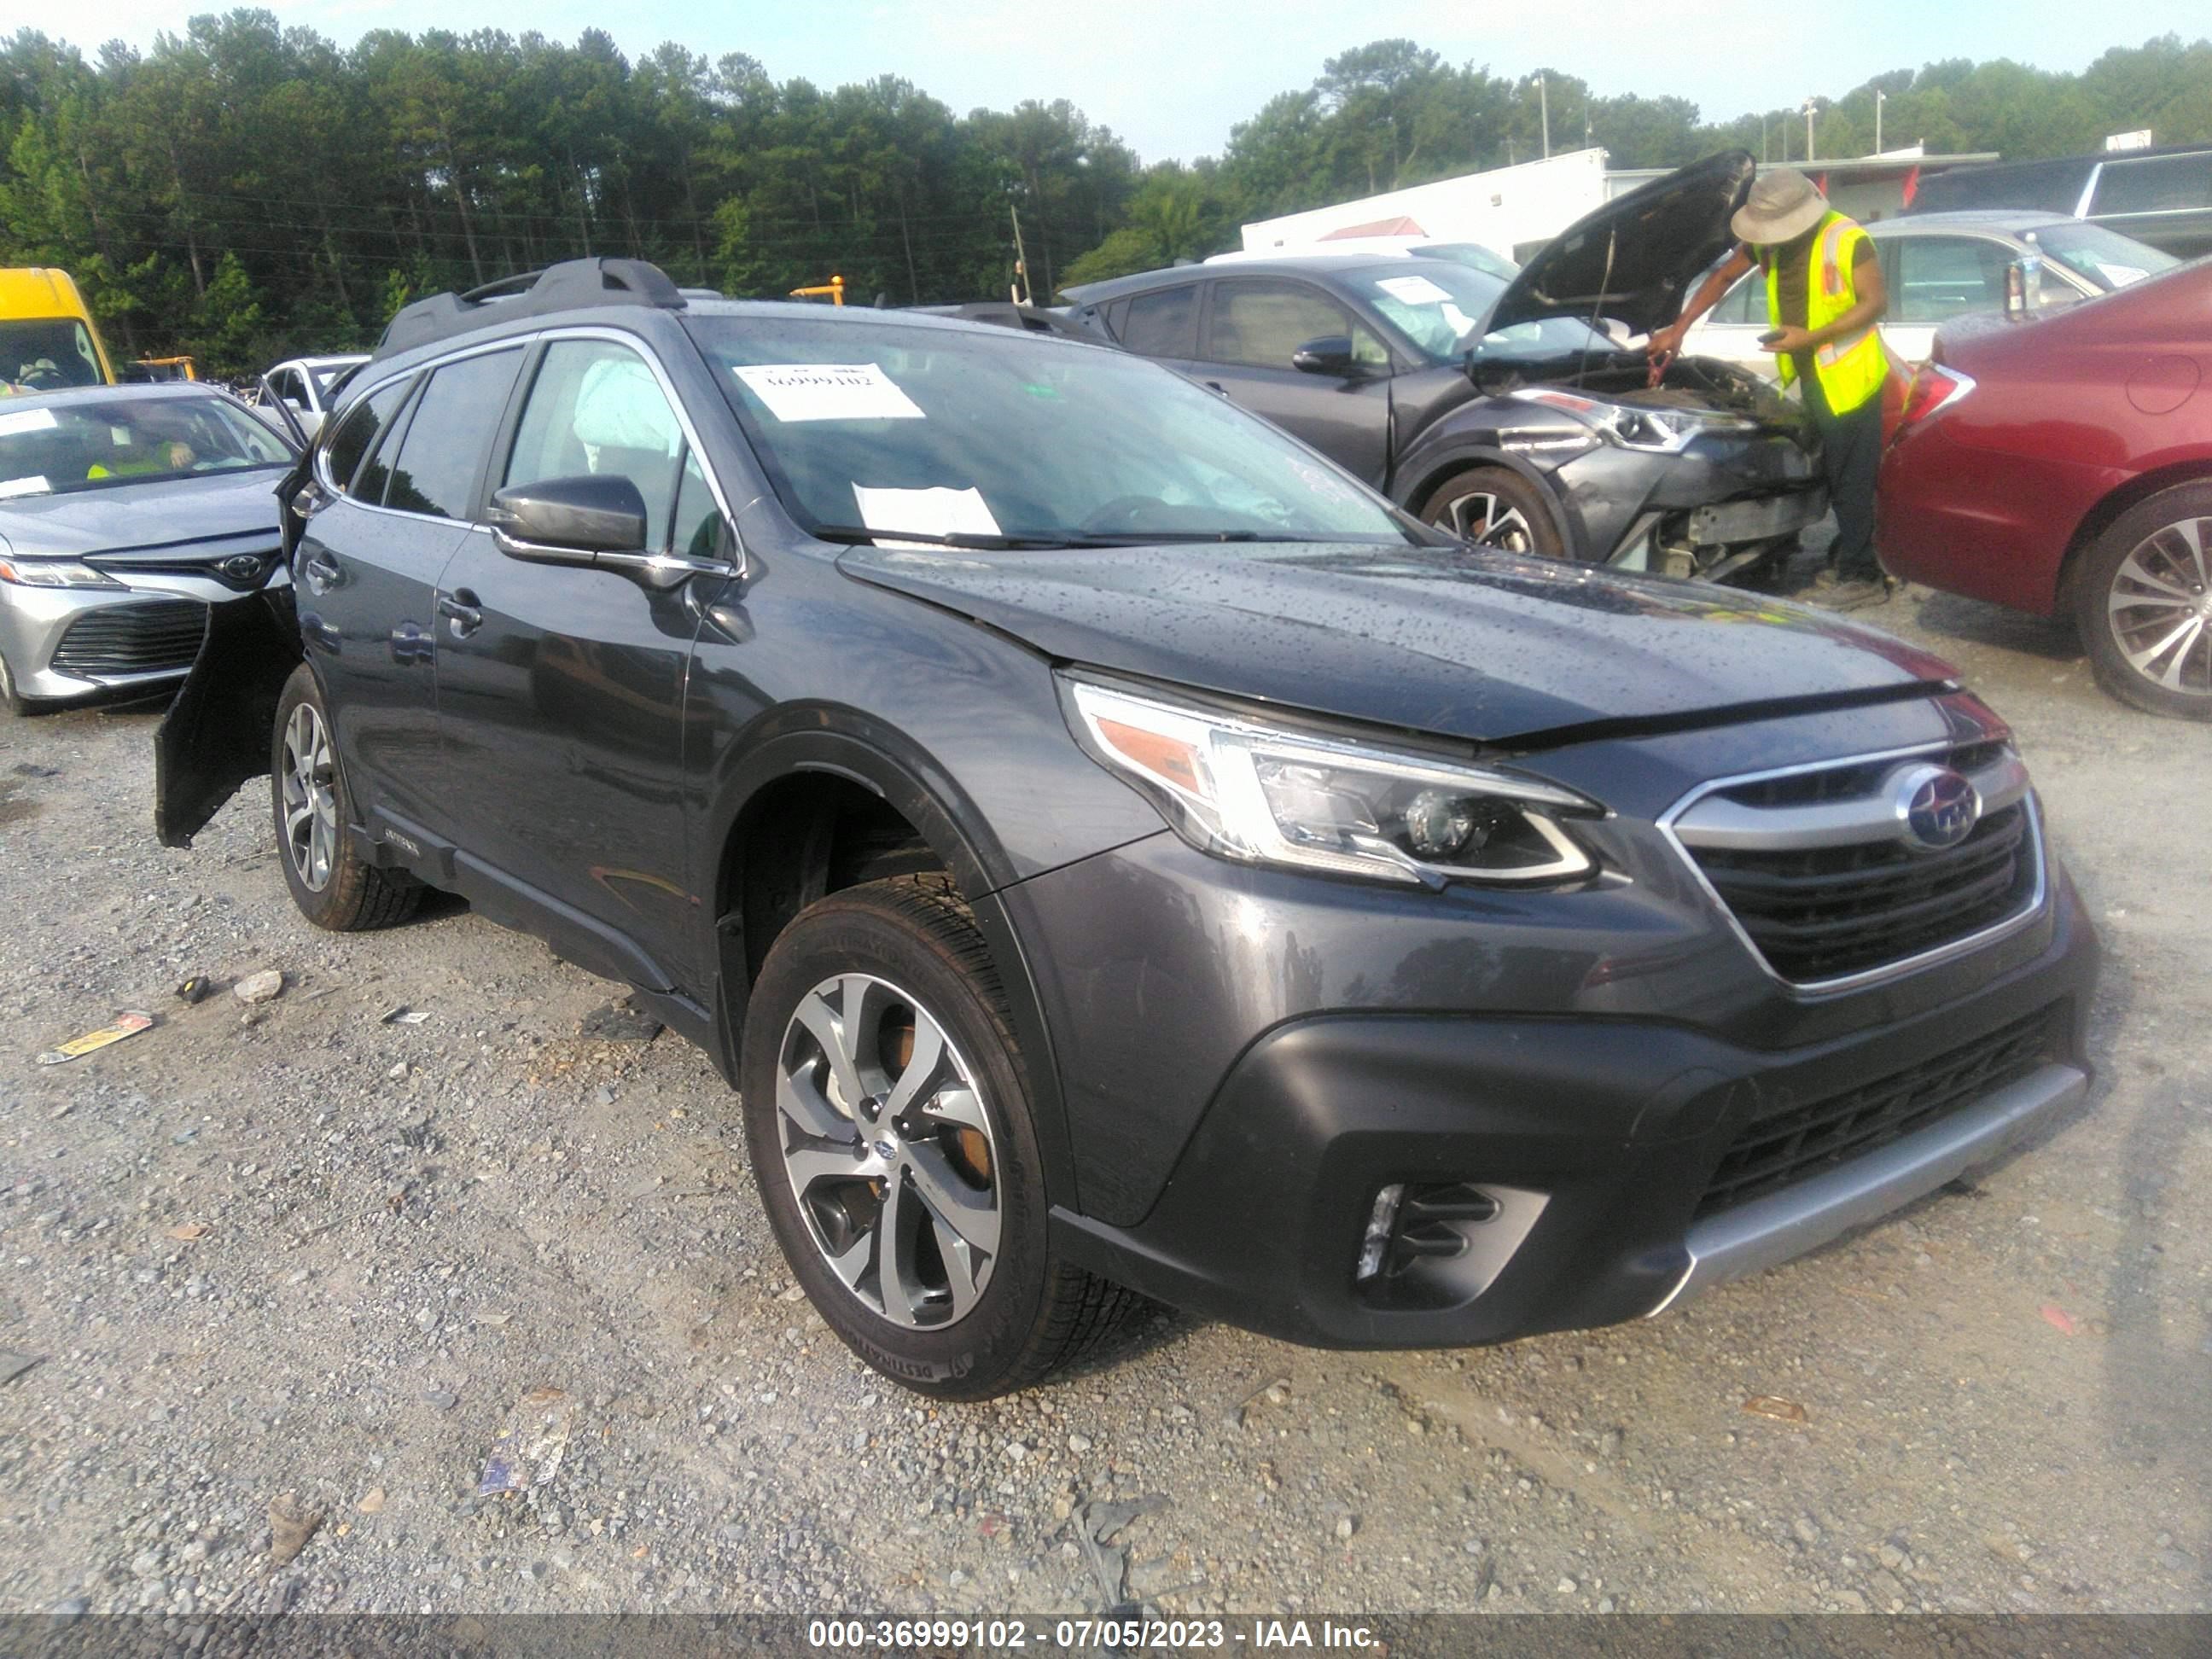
x=828, y=392
x=1414, y=290
x=25, y=420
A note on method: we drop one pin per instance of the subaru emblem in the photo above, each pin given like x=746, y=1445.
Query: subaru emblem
x=1937, y=807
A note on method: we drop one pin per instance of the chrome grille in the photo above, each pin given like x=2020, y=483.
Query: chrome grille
x=148, y=637
x=1814, y=867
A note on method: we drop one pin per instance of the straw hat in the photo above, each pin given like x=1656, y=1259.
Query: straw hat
x=1782, y=205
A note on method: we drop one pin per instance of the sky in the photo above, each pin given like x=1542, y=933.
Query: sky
x=1172, y=76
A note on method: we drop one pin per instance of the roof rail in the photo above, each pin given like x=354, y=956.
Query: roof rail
x=565, y=287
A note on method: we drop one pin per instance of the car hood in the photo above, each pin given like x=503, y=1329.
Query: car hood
x=1636, y=257
x=225, y=510
x=1461, y=642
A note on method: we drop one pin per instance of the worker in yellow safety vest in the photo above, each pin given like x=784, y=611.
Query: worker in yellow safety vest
x=1823, y=297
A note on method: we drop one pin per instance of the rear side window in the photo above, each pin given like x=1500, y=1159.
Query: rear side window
x=449, y=433
x=2157, y=184
x=1163, y=325
x=357, y=434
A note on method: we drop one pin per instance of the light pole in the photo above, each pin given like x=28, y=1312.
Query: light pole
x=1810, y=106
x=1543, y=105
x=1879, y=99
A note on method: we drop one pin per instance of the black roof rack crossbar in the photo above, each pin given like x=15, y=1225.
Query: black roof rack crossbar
x=570, y=285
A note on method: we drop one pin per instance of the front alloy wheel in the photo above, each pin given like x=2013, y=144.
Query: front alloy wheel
x=892, y=1124
x=1494, y=507
x=889, y=1150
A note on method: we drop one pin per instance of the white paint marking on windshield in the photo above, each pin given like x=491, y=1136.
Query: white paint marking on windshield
x=828, y=392
x=938, y=512
x=1415, y=290
x=27, y=420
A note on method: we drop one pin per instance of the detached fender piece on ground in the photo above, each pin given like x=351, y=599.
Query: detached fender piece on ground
x=215, y=735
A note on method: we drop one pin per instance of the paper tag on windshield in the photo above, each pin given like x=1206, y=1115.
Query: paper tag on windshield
x=828, y=392
x=27, y=420
x=22, y=487
x=1414, y=290
x=938, y=512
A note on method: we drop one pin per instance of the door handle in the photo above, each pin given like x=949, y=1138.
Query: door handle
x=1215, y=386
x=461, y=612
x=320, y=573
x=411, y=644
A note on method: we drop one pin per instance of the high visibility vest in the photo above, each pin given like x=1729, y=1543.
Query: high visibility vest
x=1852, y=367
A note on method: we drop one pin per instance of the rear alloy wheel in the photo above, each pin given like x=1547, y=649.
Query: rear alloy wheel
x=2143, y=602
x=888, y=1113
x=1491, y=507
x=333, y=885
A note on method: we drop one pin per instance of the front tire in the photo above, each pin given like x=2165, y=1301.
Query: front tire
x=2143, y=602
x=333, y=885
x=888, y=1114
x=1493, y=506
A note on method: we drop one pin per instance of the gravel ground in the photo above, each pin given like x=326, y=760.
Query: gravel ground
x=290, y=1255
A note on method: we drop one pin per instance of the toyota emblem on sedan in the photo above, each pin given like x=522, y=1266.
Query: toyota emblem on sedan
x=1939, y=807
x=242, y=566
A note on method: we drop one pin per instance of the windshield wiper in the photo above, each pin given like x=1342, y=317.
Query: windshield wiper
x=861, y=535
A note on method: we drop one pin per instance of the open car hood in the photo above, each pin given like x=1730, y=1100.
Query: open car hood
x=1635, y=258
x=1460, y=643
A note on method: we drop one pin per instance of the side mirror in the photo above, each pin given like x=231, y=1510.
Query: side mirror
x=1329, y=355
x=593, y=519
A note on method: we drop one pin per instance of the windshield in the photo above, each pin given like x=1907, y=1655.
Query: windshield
x=1472, y=255
x=1439, y=305
x=104, y=442
x=981, y=435
x=2104, y=256
x=44, y=353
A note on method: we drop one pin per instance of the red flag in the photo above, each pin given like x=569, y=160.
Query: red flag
x=1911, y=185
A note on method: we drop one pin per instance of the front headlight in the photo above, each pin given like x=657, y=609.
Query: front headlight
x=1637, y=426
x=1263, y=795
x=53, y=572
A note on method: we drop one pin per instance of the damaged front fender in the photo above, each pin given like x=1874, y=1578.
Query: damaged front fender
x=218, y=732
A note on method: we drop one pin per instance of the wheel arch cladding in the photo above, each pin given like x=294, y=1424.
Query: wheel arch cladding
x=1441, y=470
x=868, y=805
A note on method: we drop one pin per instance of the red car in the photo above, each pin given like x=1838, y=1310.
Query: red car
x=2062, y=464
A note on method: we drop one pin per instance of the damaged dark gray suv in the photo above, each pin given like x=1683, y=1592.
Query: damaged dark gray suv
x=1110, y=850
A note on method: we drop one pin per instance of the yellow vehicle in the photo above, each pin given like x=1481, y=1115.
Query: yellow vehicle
x=166, y=369
x=47, y=337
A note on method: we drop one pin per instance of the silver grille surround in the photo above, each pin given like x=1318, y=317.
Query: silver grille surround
x=2001, y=783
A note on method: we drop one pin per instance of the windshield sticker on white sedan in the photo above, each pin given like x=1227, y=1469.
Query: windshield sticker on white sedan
x=1414, y=290
x=828, y=392
x=938, y=512
x=27, y=420
x=22, y=487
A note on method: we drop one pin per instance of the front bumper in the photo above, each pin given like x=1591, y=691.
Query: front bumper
x=1748, y=487
x=52, y=656
x=1597, y=1137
